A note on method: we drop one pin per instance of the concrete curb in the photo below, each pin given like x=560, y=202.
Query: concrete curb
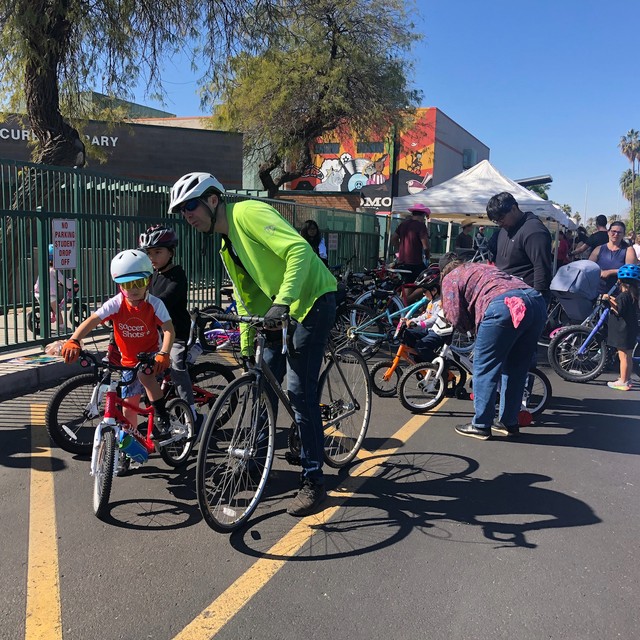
x=31, y=378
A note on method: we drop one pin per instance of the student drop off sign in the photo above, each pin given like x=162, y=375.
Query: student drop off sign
x=64, y=244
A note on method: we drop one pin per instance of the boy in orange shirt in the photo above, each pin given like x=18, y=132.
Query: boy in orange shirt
x=136, y=316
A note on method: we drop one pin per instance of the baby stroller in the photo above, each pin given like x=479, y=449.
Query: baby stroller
x=575, y=290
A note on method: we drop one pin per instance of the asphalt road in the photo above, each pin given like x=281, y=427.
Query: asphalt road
x=431, y=536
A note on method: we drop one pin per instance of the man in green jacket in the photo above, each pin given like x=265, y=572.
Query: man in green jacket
x=275, y=272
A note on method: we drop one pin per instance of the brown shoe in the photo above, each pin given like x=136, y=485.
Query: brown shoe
x=308, y=498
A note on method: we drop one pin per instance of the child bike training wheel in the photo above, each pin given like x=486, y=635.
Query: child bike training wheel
x=177, y=453
x=344, y=392
x=104, y=473
x=421, y=388
x=235, y=455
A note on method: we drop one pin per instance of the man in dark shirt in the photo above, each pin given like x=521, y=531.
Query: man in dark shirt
x=411, y=240
x=524, y=243
x=595, y=239
x=464, y=239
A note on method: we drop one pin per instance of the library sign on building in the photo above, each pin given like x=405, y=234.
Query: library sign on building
x=148, y=152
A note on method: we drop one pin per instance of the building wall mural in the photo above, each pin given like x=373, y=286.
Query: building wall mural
x=342, y=163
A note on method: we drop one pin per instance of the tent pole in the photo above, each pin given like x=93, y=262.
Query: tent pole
x=449, y=232
x=557, y=246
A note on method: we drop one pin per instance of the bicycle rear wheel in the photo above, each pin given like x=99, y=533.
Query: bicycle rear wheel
x=421, y=388
x=176, y=453
x=70, y=420
x=343, y=335
x=537, y=392
x=571, y=365
x=103, y=477
x=344, y=392
x=235, y=456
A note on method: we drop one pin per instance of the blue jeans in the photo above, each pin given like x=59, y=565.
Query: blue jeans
x=501, y=350
x=303, y=370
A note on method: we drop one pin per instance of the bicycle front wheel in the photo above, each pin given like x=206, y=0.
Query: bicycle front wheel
x=103, y=477
x=235, y=456
x=344, y=391
x=421, y=388
x=383, y=382
x=568, y=363
x=70, y=419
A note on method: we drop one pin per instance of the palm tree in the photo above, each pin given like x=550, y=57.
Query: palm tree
x=630, y=147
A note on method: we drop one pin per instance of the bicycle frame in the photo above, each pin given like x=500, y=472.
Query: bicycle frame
x=360, y=330
x=262, y=369
x=114, y=420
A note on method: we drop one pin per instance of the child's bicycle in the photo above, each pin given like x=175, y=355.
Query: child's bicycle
x=424, y=385
x=75, y=408
x=77, y=313
x=236, y=453
x=116, y=442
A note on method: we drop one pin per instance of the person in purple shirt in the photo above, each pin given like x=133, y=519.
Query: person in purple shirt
x=507, y=316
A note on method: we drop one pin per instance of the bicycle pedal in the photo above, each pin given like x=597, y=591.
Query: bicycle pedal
x=292, y=459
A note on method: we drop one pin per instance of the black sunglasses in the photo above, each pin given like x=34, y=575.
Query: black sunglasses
x=190, y=205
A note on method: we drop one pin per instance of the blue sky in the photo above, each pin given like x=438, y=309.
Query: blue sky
x=549, y=86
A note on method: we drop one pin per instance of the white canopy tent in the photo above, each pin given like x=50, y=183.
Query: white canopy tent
x=465, y=197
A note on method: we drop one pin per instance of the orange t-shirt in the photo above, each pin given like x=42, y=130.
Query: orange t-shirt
x=135, y=328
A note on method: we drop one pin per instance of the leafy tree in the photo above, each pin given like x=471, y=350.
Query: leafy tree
x=334, y=65
x=541, y=189
x=630, y=147
x=55, y=49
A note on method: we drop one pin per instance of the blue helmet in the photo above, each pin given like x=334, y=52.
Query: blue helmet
x=629, y=272
x=50, y=252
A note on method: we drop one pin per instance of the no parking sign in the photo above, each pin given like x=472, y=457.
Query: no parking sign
x=64, y=244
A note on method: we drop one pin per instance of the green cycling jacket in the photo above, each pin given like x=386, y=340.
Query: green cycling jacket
x=278, y=265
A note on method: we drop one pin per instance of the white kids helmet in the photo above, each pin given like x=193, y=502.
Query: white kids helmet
x=192, y=185
x=131, y=265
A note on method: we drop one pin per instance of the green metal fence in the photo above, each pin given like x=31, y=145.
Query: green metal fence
x=109, y=214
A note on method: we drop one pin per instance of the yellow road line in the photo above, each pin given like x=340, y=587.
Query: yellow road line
x=228, y=604
x=43, y=619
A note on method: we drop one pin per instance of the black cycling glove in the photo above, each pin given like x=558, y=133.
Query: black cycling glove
x=276, y=314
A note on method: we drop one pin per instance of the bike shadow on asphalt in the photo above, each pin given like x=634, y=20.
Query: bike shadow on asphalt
x=429, y=492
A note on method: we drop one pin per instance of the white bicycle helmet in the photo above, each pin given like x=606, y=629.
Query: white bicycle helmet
x=192, y=185
x=131, y=265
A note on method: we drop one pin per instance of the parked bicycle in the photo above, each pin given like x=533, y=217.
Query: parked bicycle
x=424, y=385
x=69, y=304
x=236, y=453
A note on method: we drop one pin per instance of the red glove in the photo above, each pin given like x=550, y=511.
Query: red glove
x=71, y=350
x=163, y=362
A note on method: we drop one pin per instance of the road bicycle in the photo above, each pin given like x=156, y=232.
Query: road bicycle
x=236, y=454
x=424, y=385
x=110, y=455
x=75, y=408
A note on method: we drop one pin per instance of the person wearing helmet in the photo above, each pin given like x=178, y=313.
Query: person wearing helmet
x=136, y=316
x=275, y=273
x=623, y=322
x=58, y=286
x=419, y=333
x=169, y=283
